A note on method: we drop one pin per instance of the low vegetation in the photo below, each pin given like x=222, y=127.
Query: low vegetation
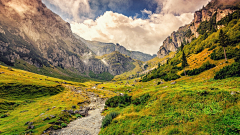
x=204, y=67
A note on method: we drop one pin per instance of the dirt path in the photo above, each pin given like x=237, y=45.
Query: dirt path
x=90, y=125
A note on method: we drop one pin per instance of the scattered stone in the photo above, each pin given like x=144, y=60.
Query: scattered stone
x=64, y=83
x=26, y=123
x=233, y=93
x=53, y=107
x=71, y=111
x=190, y=78
x=48, y=109
x=41, y=114
x=31, y=127
x=74, y=107
x=2, y=72
x=81, y=107
x=159, y=83
x=102, y=87
x=165, y=87
x=64, y=110
x=133, y=84
x=121, y=94
x=46, y=119
x=76, y=112
x=30, y=123
x=173, y=82
x=144, y=131
x=52, y=116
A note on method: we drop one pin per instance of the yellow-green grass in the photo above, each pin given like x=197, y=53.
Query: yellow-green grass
x=21, y=108
x=172, y=109
x=153, y=63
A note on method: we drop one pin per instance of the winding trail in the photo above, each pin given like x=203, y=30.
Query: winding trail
x=90, y=125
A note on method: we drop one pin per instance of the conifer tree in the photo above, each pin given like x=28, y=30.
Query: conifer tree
x=224, y=42
x=184, y=62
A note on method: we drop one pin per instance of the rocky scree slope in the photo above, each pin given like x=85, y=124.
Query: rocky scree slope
x=214, y=11
x=100, y=48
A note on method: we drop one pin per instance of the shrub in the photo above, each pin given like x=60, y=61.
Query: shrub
x=229, y=71
x=108, y=119
x=141, y=100
x=4, y=116
x=204, y=67
x=63, y=125
x=118, y=100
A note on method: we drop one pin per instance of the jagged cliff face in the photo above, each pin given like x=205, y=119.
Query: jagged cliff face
x=29, y=31
x=220, y=8
x=100, y=49
x=118, y=63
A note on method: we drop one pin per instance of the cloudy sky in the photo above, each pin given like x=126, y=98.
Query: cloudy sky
x=138, y=25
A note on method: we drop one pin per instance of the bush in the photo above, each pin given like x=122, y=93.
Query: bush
x=63, y=125
x=229, y=71
x=204, y=67
x=141, y=100
x=108, y=119
x=119, y=100
x=4, y=116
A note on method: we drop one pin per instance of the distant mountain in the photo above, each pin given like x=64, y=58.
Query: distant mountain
x=33, y=38
x=212, y=13
x=100, y=48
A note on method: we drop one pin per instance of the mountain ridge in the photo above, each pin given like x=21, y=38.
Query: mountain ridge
x=186, y=34
x=101, y=48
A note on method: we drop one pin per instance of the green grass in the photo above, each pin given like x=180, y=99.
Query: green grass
x=29, y=97
x=199, y=107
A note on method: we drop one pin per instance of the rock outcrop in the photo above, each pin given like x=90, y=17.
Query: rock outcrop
x=100, y=48
x=30, y=32
x=220, y=8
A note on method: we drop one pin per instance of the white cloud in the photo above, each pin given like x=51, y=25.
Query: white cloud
x=145, y=35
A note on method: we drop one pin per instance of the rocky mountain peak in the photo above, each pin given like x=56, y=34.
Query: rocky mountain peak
x=217, y=8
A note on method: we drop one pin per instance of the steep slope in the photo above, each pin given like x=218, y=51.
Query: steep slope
x=100, y=49
x=118, y=63
x=212, y=13
x=31, y=34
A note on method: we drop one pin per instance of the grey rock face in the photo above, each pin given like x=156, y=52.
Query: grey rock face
x=100, y=49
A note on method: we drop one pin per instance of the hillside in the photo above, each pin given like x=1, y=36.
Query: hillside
x=212, y=13
x=28, y=97
x=165, y=101
x=35, y=39
x=100, y=49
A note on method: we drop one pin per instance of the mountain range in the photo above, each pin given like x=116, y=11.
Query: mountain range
x=32, y=35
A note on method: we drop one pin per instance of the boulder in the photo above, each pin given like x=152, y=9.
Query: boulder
x=52, y=116
x=31, y=127
x=174, y=82
x=46, y=119
x=70, y=111
x=26, y=123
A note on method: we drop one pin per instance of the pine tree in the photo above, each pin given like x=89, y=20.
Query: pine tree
x=182, y=46
x=184, y=62
x=224, y=42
